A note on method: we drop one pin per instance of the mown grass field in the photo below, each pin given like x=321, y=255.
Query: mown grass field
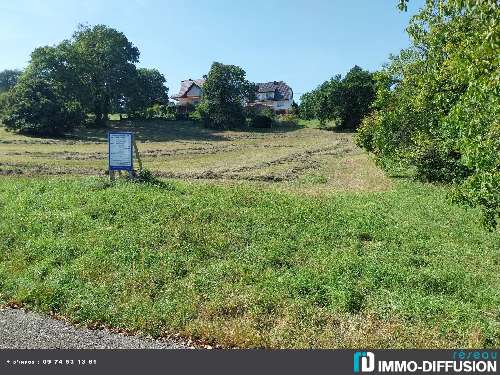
x=302, y=158
x=336, y=255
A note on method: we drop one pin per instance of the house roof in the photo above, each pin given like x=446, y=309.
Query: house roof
x=186, y=86
x=281, y=90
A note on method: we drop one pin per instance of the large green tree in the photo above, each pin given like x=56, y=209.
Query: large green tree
x=342, y=100
x=224, y=93
x=438, y=102
x=104, y=60
x=357, y=91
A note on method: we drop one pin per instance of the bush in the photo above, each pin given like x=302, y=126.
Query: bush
x=157, y=111
x=434, y=163
x=261, y=122
x=196, y=115
x=289, y=119
x=4, y=102
x=366, y=132
x=259, y=118
x=39, y=107
x=184, y=112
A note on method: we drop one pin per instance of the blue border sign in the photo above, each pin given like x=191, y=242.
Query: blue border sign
x=120, y=151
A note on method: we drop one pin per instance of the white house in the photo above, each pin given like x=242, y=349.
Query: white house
x=276, y=95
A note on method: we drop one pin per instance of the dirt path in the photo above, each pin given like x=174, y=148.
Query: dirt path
x=20, y=329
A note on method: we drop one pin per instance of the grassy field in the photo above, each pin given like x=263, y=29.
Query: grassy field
x=299, y=157
x=247, y=245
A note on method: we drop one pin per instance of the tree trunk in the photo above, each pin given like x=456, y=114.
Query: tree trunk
x=101, y=114
x=98, y=118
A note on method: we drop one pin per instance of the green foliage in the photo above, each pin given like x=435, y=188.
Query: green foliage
x=8, y=79
x=294, y=109
x=437, y=103
x=343, y=101
x=259, y=117
x=261, y=121
x=104, y=61
x=224, y=93
x=195, y=115
x=4, y=102
x=39, y=106
x=157, y=111
x=253, y=268
x=357, y=93
x=402, y=5
x=289, y=118
x=308, y=106
x=148, y=91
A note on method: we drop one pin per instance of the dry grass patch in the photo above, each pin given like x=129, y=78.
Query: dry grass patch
x=302, y=159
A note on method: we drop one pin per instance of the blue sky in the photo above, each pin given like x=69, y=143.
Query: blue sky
x=302, y=42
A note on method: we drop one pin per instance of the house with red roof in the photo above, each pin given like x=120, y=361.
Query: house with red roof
x=190, y=92
x=276, y=95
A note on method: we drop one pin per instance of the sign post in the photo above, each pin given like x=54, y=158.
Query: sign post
x=120, y=153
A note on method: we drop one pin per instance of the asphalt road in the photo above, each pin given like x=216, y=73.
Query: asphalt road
x=21, y=329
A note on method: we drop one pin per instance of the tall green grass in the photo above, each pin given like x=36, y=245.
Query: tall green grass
x=253, y=268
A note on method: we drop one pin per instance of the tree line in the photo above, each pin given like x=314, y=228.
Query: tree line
x=84, y=79
x=434, y=110
x=93, y=73
x=437, y=104
x=343, y=101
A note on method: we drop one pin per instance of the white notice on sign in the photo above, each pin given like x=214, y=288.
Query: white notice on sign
x=120, y=151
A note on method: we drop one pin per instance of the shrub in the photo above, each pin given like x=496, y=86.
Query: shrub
x=157, y=111
x=366, y=132
x=196, y=115
x=289, y=119
x=259, y=118
x=261, y=122
x=40, y=107
x=183, y=112
x=4, y=102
